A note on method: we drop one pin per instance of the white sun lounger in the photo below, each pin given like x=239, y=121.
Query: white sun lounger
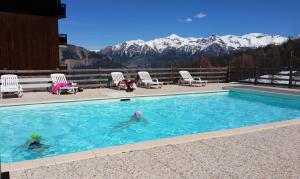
x=186, y=78
x=10, y=84
x=147, y=81
x=117, y=77
x=61, y=78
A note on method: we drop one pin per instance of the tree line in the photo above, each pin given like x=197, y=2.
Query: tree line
x=272, y=56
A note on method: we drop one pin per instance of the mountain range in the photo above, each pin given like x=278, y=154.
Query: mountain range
x=163, y=52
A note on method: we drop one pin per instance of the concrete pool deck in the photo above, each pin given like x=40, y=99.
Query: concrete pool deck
x=264, y=151
x=104, y=93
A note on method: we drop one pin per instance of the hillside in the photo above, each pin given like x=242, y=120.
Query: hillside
x=272, y=56
x=80, y=58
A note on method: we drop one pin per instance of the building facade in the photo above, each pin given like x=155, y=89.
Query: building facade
x=29, y=38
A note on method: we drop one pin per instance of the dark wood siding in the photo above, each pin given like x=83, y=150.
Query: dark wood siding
x=28, y=42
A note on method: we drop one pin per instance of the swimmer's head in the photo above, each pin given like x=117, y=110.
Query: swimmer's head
x=138, y=114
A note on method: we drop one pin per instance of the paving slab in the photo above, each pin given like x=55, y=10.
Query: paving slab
x=141, y=165
x=244, y=161
x=183, y=163
x=19, y=174
x=282, y=142
x=42, y=172
x=102, y=167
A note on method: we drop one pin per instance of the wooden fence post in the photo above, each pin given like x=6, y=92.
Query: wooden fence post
x=272, y=77
x=228, y=75
x=291, y=70
x=255, y=80
x=242, y=73
x=171, y=75
x=291, y=78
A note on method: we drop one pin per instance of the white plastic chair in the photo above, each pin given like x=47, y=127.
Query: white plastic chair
x=187, y=78
x=10, y=84
x=61, y=78
x=117, y=77
x=147, y=81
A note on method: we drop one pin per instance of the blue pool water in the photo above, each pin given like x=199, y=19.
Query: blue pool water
x=79, y=126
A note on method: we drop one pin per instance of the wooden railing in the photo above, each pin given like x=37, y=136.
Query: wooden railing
x=267, y=76
x=39, y=80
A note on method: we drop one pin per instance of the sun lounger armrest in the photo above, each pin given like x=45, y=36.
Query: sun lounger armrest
x=155, y=80
x=197, y=78
x=74, y=84
x=20, y=88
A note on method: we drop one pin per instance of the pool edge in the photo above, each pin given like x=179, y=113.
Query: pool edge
x=109, y=98
x=16, y=166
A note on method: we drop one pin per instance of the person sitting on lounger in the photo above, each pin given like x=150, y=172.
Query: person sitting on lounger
x=130, y=85
x=136, y=117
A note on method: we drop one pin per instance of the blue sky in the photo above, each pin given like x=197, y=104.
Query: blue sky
x=95, y=24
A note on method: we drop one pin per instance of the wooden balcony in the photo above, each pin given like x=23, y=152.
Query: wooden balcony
x=61, y=10
x=62, y=39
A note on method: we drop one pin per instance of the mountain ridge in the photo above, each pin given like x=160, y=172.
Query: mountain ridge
x=150, y=53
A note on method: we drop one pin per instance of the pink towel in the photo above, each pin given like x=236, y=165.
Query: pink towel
x=126, y=82
x=59, y=85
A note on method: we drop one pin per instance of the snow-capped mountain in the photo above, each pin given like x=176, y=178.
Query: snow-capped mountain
x=174, y=47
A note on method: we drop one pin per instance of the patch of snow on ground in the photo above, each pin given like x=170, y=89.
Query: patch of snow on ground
x=284, y=80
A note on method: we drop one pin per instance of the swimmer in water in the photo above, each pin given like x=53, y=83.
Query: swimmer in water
x=137, y=117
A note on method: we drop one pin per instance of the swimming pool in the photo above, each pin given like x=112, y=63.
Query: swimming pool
x=80, y=126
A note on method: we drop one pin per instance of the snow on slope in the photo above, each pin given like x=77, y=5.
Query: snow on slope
x=192, y=45
x=282, y=76
x=253, y=40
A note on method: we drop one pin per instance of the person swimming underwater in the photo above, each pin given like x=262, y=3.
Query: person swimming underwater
x=136, y=117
